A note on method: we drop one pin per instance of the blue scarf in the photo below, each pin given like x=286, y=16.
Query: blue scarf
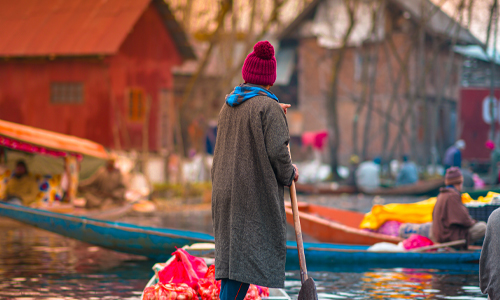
x=246, y=91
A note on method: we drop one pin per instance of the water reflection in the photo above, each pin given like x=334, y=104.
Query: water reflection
x=35, y=264
x=392, y=284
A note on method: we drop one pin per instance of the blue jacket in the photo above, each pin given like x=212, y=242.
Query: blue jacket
x=407, y=175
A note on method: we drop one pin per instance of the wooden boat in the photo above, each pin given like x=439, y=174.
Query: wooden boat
x=17, y=138
x=207, y=249
x=325, y=188
x=424, y=187
x=159, y=243
x=332, y=225
x=156, y=243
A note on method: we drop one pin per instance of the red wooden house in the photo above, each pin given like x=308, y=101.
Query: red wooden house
x=88, y=67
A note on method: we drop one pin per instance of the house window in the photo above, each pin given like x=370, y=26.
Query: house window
x=66, y=92
x=136, y=104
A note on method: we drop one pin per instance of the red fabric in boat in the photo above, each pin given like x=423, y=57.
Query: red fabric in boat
x=184, y=269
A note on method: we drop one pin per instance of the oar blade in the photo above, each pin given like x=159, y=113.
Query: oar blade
x=308, y=290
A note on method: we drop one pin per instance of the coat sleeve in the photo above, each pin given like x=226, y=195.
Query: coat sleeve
x=458, y=213
x=276, y=138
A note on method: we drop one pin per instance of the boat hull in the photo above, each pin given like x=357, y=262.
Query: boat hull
x=428, y=187
x=147, y=241
x=332, y=257
x=159, y=243
x=330, y=225
x=324, y=189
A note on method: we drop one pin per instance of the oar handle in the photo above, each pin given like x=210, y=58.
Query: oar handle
x=298, y=231
x=298, y=234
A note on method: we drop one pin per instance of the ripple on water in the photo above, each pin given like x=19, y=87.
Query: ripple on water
x=35, y=264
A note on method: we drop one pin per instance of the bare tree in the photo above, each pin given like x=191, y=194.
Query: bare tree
x=333, y=96
x=375, y=48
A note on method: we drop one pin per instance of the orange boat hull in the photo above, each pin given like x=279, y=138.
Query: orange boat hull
x=331, y=225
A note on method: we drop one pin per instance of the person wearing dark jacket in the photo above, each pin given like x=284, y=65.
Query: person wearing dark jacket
x=453, y=155
x=251, y=167
x=489, y=263
x=450, y=219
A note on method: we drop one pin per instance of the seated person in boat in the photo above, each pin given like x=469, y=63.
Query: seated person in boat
x=489, y=264
x=368, y=175
x=105, y=187
x=22, y=188
x=408, y=173
x=450, y=219
x=251, y=168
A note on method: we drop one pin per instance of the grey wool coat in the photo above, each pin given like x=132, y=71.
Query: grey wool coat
x=250, y=169
x=489, y=263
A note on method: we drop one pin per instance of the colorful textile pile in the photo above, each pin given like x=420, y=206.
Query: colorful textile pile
x=408, y=229
x=188, y=274
x=50, y=188
x=416, y=213
x=4, y=178
x=419, y=212
x=390, y=228
x=416, y=241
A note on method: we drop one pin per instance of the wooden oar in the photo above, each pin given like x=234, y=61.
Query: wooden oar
x=308, y=289
x=437, y=246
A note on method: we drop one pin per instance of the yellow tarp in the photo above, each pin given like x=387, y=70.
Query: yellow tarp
x=419, y=212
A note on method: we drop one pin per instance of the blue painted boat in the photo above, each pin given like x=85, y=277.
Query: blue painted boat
x=156, y=243
x=159, y=243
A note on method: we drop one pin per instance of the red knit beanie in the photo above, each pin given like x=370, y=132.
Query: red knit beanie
x=453, y=176
x=260, y=65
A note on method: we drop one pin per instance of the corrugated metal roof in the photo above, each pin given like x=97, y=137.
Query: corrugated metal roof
x=75, y=27
x=478, y=52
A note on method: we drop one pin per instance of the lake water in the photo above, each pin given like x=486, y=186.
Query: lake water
x=35, y=264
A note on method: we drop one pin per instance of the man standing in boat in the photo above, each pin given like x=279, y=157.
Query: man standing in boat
x=250, y=169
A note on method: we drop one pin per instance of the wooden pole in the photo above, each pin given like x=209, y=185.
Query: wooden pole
x=114, y=128
x=494, y=15
x=298, y=230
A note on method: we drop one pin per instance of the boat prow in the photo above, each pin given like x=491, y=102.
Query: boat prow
x=152, y=242
x=332, y=225
x=423, y=187
x=206, y=251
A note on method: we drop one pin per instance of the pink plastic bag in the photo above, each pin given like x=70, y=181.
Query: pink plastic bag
x=416, y=241
x=184, y=269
